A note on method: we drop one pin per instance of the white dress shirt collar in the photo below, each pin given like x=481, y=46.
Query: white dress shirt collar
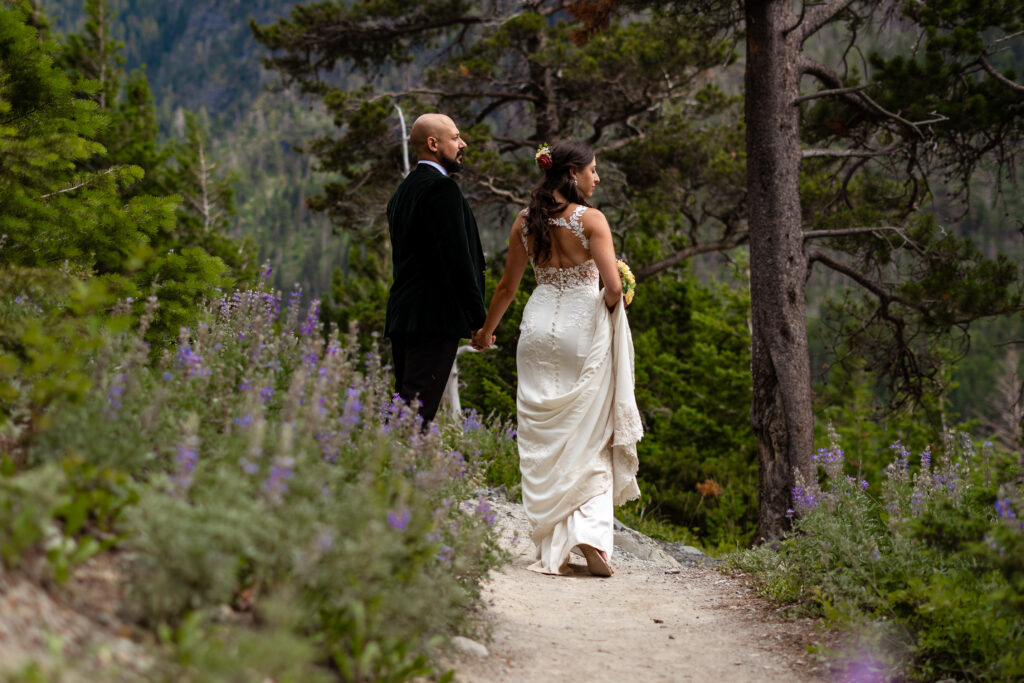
x=436, y=165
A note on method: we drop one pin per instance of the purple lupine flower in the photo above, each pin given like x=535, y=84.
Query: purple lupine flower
x=471, y=421
x=926, y=460
x=992, y=543
x=115, y=392
x=243, y=421
x=312, y=318
x=185, y=464
x=399, y=519
x=277, y=481
x=266, y=393
x=484, y=510
x=1004, y=509
x=805, y=500
x=168, y=376
x=189, y=360
x=248, y=466
x=445, y=554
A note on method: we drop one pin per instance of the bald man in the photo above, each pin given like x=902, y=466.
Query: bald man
x=437, y=296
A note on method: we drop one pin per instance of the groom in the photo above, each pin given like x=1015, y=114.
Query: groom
x=438, y=293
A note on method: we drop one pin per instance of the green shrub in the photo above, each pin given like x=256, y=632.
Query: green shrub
x=930, y=575
x=269, y=465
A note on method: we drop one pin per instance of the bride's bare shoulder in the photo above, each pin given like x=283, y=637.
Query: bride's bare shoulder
x=593, y=218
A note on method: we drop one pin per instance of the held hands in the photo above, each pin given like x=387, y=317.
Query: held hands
x=482, y=341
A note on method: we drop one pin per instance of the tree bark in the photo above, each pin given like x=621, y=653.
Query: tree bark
x=781, y=412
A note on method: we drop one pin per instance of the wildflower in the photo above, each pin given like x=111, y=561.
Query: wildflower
x=115, y=392
x=277, y=481
x=445, y=554
x=312, y=318
x=471, y=421
x=1004, y=509
x=399, y=519
x=188, y=457
x=266, y=393
x=189, y=360
x=168, y=376
x=243, y=421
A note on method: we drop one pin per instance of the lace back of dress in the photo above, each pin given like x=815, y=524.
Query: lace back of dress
x=582, y=275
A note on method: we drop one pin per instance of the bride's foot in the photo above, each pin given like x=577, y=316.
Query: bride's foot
x=597, y=561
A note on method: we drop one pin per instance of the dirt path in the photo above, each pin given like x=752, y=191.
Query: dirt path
x=653, y=621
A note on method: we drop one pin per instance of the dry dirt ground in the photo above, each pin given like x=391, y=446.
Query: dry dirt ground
x=654, y=620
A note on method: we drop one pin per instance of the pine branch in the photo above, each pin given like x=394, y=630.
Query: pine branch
x=815, y=16
x=488, y=182
x=884, y=296
x=846, y=153
x=860, y=99
x=1016, y=87
x=830, y=93
x=847, y=232
x=688, y=252
x=80, y=185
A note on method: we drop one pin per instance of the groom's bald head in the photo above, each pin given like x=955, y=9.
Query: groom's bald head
x=435, y=137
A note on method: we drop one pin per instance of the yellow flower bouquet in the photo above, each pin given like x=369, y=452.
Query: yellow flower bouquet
x=628, y=282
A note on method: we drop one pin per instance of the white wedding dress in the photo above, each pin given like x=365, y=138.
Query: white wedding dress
x=578, y=423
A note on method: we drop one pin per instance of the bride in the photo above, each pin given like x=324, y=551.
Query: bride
x=578, y=424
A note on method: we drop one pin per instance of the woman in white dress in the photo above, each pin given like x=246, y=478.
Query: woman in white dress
x=578, y=424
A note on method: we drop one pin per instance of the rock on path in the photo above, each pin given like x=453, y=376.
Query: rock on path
x=655, y=620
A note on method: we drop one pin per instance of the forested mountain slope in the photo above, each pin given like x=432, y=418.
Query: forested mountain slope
x=201, y=57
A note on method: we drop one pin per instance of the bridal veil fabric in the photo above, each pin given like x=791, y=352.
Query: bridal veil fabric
x=578, y=423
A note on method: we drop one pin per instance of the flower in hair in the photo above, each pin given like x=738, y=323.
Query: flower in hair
x=543, y=157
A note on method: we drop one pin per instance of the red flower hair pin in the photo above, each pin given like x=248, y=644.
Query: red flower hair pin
x=543, y=157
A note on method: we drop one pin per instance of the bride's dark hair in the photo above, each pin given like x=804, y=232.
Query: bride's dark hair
x=565, y=155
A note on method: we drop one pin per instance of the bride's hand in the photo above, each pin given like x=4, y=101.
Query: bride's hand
x=482, y=341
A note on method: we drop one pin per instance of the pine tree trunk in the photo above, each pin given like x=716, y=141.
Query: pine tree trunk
x=781, y=413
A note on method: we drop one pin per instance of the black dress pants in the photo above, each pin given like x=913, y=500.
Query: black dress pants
x=422, y=365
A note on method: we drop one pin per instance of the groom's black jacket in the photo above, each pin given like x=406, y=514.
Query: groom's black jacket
x=438, y=264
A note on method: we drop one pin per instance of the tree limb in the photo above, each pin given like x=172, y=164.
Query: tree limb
x=829, y=93
x=1016, y=87
x=688, y=252
x=493, y=94
x=488, y=182
x=846, y=232
x=79, y=185
x=843, y=153
x=816, y=16
x=860, y=99
x=852, y=273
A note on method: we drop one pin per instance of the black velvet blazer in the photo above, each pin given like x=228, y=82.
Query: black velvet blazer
x=438, y=264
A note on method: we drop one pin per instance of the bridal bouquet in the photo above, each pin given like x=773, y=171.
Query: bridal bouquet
x=628, y=281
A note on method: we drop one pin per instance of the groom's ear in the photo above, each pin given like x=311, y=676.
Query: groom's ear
x=432, y=143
